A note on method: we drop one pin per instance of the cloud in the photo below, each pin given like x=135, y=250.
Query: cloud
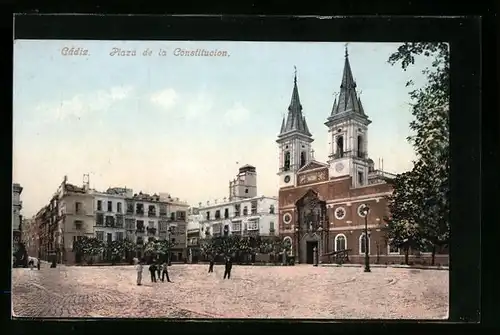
x=166, y=98
x=82, y=104
x=236, y=114
x=199, y=106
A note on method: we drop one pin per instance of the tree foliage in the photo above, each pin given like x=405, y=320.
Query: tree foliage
x=158, y=248
x=88, y=246
x=235, y=244
x=117, y=248
x=420, y=203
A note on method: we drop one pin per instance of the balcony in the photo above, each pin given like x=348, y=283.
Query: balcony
x=163, y=214
x=152, y=230
x=151, y=214
x=129, y=227
x=140, y=230
x=139, y=213
x=130, y=211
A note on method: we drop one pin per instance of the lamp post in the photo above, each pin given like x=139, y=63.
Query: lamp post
x=298, y=242
x=365, y=212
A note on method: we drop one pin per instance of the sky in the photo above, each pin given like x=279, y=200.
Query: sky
x=161, y=122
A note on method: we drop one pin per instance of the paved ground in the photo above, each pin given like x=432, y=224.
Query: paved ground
x=301, y=291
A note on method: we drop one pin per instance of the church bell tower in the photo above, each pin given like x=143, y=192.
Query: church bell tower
x=348, y=132
x=294, y=141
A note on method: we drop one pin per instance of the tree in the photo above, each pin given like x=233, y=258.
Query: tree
x=88, y=247
x=207, y=247
x=429, y=189
x=158, y=248
x=115, y=249
x=402, y=227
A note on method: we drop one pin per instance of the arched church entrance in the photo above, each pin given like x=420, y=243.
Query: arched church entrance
x=312, y=219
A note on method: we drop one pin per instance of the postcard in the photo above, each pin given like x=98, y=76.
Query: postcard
x=226, y=179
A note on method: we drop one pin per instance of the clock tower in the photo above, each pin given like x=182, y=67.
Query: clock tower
x=348, y=132
x=294, y=141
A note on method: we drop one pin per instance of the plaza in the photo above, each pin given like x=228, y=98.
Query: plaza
x=300, y=291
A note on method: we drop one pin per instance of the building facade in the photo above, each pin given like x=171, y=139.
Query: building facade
x=116, y=214
x=321, y=204
x=162, y=217
x=29, y=233
x=242, y=213
x=193, y=235
x=17, y=206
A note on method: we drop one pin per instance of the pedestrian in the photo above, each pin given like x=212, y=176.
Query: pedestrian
x=165, y=272
x=38, y=264
x=228, y=267
x=139, y=268
x=211, y=264
x=152, y=270
x=31, y=263
x=159, y=269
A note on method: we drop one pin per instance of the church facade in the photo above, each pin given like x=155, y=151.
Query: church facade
x=321, y=203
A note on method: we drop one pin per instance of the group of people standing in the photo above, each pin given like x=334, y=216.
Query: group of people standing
x=228, y=265
x=155, y=268
x=159, y=270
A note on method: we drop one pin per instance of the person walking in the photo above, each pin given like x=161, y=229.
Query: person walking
x=165, y=272
x=38, y=264
x=228, y=267
x=211, y=264
x=152, y=270
x=139, y=268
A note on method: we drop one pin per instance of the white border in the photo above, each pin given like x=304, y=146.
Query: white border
x=287, y=215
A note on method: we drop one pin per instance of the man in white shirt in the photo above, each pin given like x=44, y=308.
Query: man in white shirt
x=139, y=268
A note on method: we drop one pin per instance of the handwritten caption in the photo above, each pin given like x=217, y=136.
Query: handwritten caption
x=148, y=52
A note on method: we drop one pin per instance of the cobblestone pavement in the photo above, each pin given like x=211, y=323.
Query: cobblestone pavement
x=301, y=291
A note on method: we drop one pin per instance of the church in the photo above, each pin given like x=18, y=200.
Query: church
x=321, y=204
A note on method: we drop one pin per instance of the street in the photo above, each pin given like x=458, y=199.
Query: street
x=301, y=291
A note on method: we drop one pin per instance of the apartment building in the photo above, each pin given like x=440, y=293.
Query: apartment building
x=193, y=234
x=17, y=206
x=157, y=216
x=116, y=214
x=243, y=212
x=30, y=236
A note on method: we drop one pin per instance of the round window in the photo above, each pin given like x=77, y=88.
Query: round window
x=340, y=213
x=362, y=211
x=287, y=218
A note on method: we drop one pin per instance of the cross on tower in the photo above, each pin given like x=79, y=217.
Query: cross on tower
x=312, y=153
x=346, y=52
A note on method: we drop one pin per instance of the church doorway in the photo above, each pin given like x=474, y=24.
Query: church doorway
x=310, y=251
x=311, y=215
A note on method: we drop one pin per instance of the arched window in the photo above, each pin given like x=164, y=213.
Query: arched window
x=302, y=158
x=288, y=241
x=340, y=242
x=340, y=146
x=360, y=146
x=362, y=244
x=286, y=166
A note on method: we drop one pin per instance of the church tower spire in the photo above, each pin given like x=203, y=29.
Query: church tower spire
x=348, y=131
x=295, y=121
x=294, y=139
